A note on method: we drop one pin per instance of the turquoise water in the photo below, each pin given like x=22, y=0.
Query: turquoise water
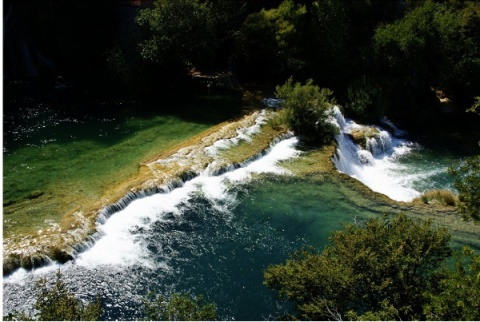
x=218, y=248
x=214, y=236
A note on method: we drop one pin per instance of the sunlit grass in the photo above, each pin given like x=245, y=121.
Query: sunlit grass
x=440, y=196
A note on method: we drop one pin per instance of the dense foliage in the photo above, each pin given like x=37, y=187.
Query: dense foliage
x=458, y=292
x=435, y=46
x=308, y=109
x=179, y=307
x=179, y=32
x=401, y=58
x=270, y=40
x=467, y=182
x=380, y=269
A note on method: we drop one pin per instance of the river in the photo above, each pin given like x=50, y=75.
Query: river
x=215, y=234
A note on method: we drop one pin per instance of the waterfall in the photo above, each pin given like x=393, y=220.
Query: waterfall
x=217, y=226
x=118, y=245
x=209, y=175
x=374, y=164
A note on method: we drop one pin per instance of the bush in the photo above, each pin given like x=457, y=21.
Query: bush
x=376, y=270
x=467, y=182
x=308, y=109
x=179, y=307
x=442, y=197
x=59, y=304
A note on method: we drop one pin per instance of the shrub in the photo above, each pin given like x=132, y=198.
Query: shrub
x=442, y=197
x=467, y=182
x=379, y=269
x=179, y=307
x=308, y=109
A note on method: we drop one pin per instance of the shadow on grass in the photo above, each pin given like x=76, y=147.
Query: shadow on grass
x=34, y=123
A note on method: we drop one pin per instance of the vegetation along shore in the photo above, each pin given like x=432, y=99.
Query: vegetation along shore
x=370, y=111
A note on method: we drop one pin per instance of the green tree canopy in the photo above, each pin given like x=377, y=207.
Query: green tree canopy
x=467, y=182
x=179, y=307
x=180, y=31
x=379, y=269
x=308, y=108
x=269, y=40
x=435, y=46
x=327, y=42
x=458, y=295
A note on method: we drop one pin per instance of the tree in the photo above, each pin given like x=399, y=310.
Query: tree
x=467, y=181
x=179, y=307
x=327, y=42
x=379, y=269
x=308, y=109
x=175, y=36
x=434, y=46
x=458, y=297
x=179, y=31
x=269, y=40
x=363, y=99
x=59, y=304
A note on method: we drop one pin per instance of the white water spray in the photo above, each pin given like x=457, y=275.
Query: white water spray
x=119, y=244
x=375, y=165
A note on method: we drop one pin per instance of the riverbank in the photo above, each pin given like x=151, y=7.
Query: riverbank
x=68, y=219
x=214, y=150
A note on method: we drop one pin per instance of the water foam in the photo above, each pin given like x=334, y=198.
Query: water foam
x=119, y=245
x=243, y=134
x=377, y=165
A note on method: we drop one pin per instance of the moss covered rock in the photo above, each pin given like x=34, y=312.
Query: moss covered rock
x=361, y=135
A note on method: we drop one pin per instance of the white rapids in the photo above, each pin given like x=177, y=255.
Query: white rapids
x=376, y=165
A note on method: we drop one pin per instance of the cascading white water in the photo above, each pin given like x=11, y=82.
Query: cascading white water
x=375, y=165
x=118, y=246
x=192, y=236
x=122, y=246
